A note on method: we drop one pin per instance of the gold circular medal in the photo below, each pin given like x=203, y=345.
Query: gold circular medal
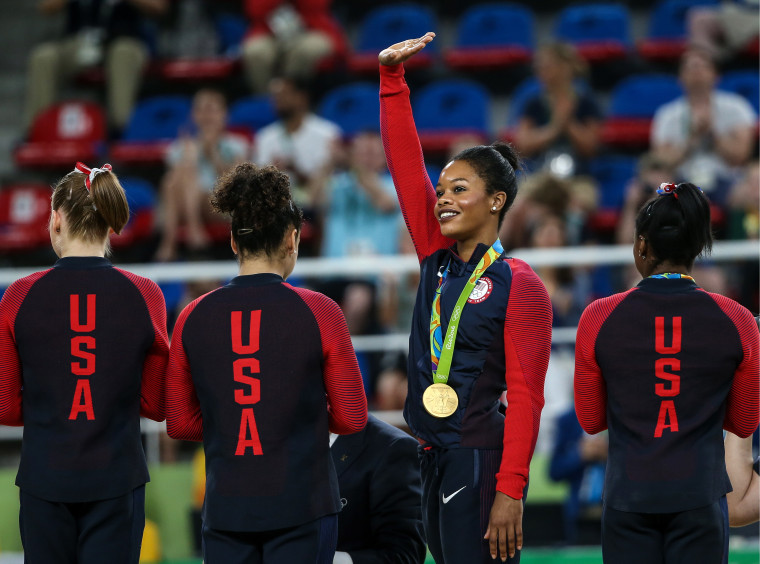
x=440, y=400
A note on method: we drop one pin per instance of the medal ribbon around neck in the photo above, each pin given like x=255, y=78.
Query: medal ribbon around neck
x=441, y=352
x=671, y=275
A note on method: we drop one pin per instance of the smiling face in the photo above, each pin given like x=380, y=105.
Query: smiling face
x=464, y=208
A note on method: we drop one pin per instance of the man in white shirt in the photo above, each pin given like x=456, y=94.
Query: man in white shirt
x=299, y=142
x=706, y=134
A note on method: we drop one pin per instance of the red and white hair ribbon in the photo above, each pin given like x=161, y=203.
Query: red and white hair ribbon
x=91, y=172
x=667, y=188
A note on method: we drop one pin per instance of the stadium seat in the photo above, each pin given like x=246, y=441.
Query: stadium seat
x=230, y=29
x=386, y=25
x=633, y=104
x=447, y=109
x=744, y=83
x=24, y=216
x=247, y=115
x=141, y=198
x=154, y=124
x=354, y=107
x=666, y=39
x=64, y=134
x=492, y=36
x=600, y=32
x=613, y=172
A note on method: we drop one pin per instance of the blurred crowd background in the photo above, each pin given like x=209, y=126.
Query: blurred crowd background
x=604, y=101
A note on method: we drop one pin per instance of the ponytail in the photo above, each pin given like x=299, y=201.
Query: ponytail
x=676, y=223
x=93, y=201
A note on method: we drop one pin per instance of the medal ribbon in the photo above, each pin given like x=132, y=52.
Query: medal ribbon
x=671, y=275
x=442, y=351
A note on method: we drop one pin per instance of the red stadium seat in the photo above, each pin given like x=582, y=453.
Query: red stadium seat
x=24, y=215
x=197, y=70
x=64, y=134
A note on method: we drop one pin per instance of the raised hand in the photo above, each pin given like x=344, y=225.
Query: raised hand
x=400, y=52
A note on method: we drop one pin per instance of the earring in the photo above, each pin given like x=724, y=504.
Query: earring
x=643, y=257
x=493, y=208
x=57, y=229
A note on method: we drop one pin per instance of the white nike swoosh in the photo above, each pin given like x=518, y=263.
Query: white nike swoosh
x=447, y=499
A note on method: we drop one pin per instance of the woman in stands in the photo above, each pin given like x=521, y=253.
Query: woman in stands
x=666, y=366
x=83, y=353
x=262, y=372
x=482, y=324
x=559, y=129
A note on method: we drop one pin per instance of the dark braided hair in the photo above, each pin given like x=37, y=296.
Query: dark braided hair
x=259, y=202
x=496, y=164
x=677, y=224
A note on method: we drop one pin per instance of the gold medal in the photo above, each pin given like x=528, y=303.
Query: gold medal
x=440, y=400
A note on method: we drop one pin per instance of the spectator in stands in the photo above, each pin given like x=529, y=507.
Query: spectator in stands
x=543, y=194
x=652, y=171
x=299, y=34
x=391, y=386
x=706, y=134
x=744, y=205
x=723, y=28
x=96, y=31
x=569, y=288
x=299, y=143
x=194, y=161
x=559, y=129
x=381, y=495
x=361, y=213
x=579, y=459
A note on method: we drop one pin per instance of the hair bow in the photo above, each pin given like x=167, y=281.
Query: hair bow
x=91, y=172
x=667, y=188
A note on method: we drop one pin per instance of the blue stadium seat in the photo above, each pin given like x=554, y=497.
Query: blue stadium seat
x=492, y=36
x=446, y=109
x=230, y=29
x=744, y=83
x=633, y=104
x=354, y=107
x=390, y=24
x=613, y=172
x=526, y=90
x=141, y=197
x=154, y=123
x=600, y=32
x=666, y=39
x=248, y=115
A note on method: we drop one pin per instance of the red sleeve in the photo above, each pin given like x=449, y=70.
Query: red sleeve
x=11, y=377
x=527, y=344
x=346, y=401
x=183, y=410
x=406, y=163
x=152, y=392
x=743, y=409
x=590, y=389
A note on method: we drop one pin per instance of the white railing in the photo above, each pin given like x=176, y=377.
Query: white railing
x=400, y=264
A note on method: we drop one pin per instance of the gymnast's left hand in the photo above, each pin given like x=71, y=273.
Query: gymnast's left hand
x=504, y=532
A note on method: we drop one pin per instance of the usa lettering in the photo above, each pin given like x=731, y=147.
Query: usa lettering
x=83, y=350
x=242, y=369
x=666, y=370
